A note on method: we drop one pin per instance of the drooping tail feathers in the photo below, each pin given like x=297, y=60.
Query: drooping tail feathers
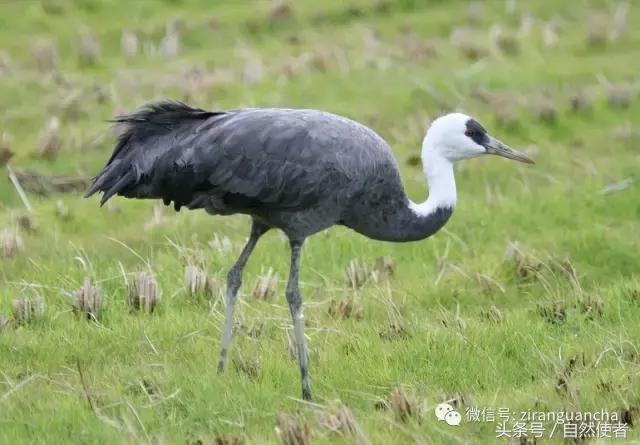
x=137, y=134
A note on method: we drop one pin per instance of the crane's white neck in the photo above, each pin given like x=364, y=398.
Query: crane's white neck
x=439, y=174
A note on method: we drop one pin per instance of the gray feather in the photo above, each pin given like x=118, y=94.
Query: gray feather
x=300, y=170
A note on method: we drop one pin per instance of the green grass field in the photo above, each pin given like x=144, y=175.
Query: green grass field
x=529, y=299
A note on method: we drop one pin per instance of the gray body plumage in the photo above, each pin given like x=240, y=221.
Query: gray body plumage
x=298, y=170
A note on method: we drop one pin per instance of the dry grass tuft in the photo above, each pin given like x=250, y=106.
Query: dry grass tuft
x=62, y=211
x=339, y=420
x=44, y=185
x=372, y=49
x=71, y=106
x=526, y=267
x=129, y=44
x=220, y=243
x=171, y=43
x=625, y=131
x=228, y=440
x=404, y=406
x=199, y=283
x=50, y=140
x=507, y=117
x=6, y=63
x=143, y=293
x=157, y=217
x=564, y=385
x=493, y=314
x=605, y=386
x=53, y=7
x=619, y=97
x=253, y=70
x=505, y=41
x=150, y=388
x=10, y=242
x=528, y=270
x=580, y=101
x=452, y=319
x=45, y=54
x=417, y=48
x=354, y=11
x=382, y=7
x=280, y=12
x=266, y=285
x=293, y=430
x=323, y=59
x=295, y=66
x=27, y=310
x=488, y=285
x=617, y=186
x=545, y=110
x=344, y=309
x=381, y=405
x=358, y=273
x=87, y=300
x=394, y=331
x=550, y=35
x=597, y=30
x=591, y=305
x=630, y=415
x=193, y=257
x=383, y=269
x=527, y=23
x=555, y=312
x=467, y=43
x=476, y=12
x=5, y=150
x=414, y=161
x=254, y=330
x=620, y=21
x=5, y=323
x=459, y=399
x=564, y=267
x=90, y=50
x=249, y=367
x=633, y=294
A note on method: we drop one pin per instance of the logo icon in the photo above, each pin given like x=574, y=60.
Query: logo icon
x=445, y=412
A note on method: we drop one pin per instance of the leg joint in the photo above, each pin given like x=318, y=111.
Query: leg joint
x=293, y=298
x=234, y=278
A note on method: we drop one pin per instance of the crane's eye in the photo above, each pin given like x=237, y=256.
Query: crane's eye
x=468, y=133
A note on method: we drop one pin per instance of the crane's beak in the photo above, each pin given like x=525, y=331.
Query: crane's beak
x=495, y=147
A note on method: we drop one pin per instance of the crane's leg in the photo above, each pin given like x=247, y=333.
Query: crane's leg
x=234, y=280
x=295, y=306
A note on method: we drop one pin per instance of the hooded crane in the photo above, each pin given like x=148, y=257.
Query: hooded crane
x=300, y=171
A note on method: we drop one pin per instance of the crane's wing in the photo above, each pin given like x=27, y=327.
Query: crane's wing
x=237, y=160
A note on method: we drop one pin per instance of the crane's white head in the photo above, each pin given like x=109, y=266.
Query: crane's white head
x=456, y=136
x=449, y=139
